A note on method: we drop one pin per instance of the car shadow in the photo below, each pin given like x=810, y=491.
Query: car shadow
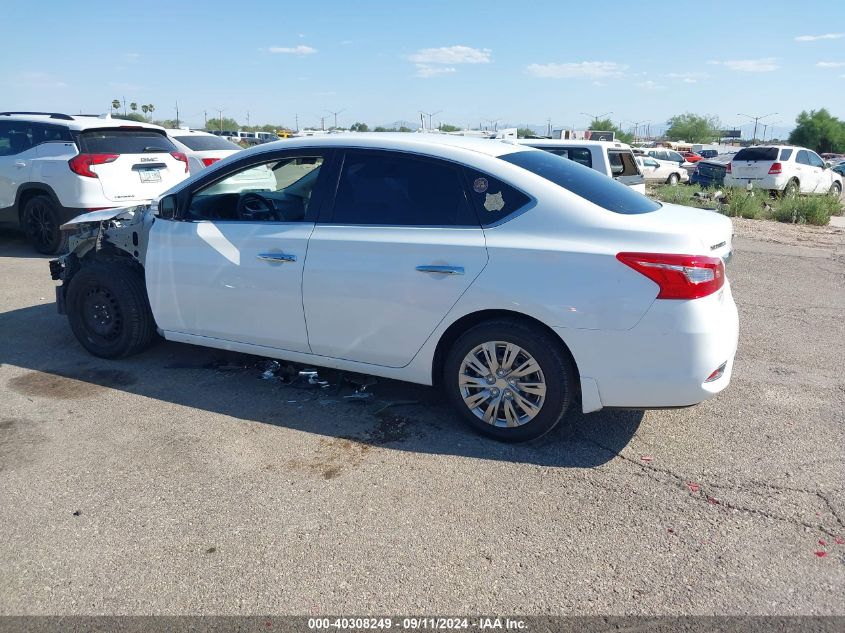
x=14, y=244
x=399, y=416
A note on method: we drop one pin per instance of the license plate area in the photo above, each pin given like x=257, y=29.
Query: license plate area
x=149, y=175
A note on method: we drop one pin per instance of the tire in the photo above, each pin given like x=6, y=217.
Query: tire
x=40, y=222
x=835, y=190
x=108, y=310
x=557, y=376
x=791, y=189
x=673, y=179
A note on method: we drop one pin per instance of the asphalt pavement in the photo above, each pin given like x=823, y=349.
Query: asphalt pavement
x=179, y=481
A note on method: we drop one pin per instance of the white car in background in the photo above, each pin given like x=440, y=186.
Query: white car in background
x=786, y=169
x=520, y=282
x=661, y=171
x=610, y=158
x=202, y=148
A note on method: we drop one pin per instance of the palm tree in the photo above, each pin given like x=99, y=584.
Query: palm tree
x=133, y=106
x=115, y=104
x=151, y=108
x=145, y=108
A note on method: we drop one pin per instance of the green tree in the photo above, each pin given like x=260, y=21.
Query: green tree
x=606, y=125
x=402, y=128
x=446, y=127
x=145, y=109
x=819, y=131
x=359, y=127
x=115, y=104
x=133, y=106
x=222, y=124
x=168, y=123
x=151, y=108
x=525, y=132
x=132, y=116
x=693, y=128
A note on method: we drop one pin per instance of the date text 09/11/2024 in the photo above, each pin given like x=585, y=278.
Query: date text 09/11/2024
x=411, y=623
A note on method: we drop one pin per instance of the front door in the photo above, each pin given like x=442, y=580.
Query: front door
x=396, y=252
x=231, y=266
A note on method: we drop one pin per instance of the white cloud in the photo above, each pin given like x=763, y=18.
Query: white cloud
x=600, y=84
x=688, y=78
x=38, y=79
x=763, y=65
x=570, y=70
x=650, y=85
x=830, y=64
x=815, y=38
x=452, y=55
x=346, y=42
x=293, y=50
x=424, y=70
x=131, y=57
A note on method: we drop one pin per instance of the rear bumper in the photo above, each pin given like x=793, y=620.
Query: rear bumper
x=776, y=183
x=665, y=360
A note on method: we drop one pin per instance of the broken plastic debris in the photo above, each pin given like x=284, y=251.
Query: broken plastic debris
x=839, y=540
x=647, y=458
x=822, y=541
x=270, y=369
x=693, y=487
x=360, y=395
x=821, y=554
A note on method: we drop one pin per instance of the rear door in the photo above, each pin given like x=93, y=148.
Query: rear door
x=135, y=164
x=16, y=141
x=624, y=168
x=820, y=174
x=399, y=247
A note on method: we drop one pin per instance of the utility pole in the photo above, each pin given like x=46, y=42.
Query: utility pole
x=220, y=111
x=549, y=127
x=335, y=116
x=247, y=118
x=756, y=119
x=596, y=117
x=494, y=123
x=296, y=118
x=124, y=106
x=177, y=114
x=430, y=115
x=323, y=123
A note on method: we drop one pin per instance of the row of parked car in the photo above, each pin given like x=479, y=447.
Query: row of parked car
x=54, y=167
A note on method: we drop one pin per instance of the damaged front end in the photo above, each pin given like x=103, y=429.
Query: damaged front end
x=118, y=235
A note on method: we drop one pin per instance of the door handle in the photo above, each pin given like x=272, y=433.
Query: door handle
x=276, y=257
x=442, y=270
x=20, y=163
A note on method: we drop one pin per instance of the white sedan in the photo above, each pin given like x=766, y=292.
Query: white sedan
x=662, y=171
x=521, y=282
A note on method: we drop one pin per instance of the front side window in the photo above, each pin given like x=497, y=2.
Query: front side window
x=815, y=160
x=396, y=189
x=587, y=183
x=622, y=163
x=274, y=191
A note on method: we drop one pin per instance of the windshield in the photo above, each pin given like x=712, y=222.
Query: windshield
x=202, y=143
x=123, y=141
x=583, y=181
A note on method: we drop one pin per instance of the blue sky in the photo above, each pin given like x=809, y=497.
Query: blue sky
x=381, y=62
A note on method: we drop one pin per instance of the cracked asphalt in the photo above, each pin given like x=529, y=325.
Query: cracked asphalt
x=179, y=482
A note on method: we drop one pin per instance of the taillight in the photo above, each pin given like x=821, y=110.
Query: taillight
x=180, y=156
x=209, y=161
x=679, y=276
x=728, y=168
x=81, y=163
x=775, y=169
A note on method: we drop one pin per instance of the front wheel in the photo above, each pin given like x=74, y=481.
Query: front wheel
x=835, y=190
x=108, y=310
x=673, y=179
x=508, y=380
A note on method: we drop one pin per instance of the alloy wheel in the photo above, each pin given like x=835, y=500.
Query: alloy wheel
x=40, y=226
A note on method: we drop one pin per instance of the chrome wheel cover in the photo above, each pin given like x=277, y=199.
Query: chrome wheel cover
x=502, y=384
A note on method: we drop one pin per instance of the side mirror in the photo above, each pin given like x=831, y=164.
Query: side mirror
x=167, y=207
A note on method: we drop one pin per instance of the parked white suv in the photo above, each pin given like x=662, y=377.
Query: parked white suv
x=202, y=148
x=611, y=158
x=783, y=168
x=519, y=281
x=55, y=166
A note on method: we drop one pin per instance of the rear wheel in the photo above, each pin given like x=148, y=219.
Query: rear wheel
x=508, y=380
x=673, y=179
x=791, y=190
x=40, y=222
x=835, y=190
x=108, y=310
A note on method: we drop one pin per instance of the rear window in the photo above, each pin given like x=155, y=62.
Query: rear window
x=584, y=182
x=205, y=143
x=757, y=153
x=124, y=142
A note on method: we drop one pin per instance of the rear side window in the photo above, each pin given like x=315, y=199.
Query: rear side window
x=396, y=189
x=493, y=199
x=578, y=154
x=757, y=153
x=785, y=154
x=205, y=143
x=622, y=163
x=15, y=137
x=586, y=183
x=124, y=142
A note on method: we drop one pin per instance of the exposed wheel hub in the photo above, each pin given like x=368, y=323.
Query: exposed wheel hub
x=101, y=313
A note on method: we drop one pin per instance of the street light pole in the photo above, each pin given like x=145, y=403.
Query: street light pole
x=430, y=115
x=594, y=117
x=335, y=115
x=756, y=119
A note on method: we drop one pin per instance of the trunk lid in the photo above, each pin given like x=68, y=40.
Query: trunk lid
x=713, y=230
x=753, y=163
